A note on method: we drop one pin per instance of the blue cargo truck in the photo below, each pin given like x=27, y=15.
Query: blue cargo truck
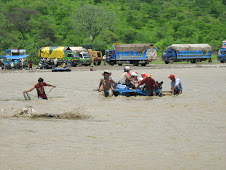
x=131, y=54
x=187, y=52
x=222, y=53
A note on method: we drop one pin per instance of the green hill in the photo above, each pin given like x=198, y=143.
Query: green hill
x=34, y=24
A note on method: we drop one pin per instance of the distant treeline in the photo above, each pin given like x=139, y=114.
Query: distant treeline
x=34, y=24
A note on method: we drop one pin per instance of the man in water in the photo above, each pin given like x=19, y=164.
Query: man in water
x=126, y=78
x=40, y=88
x=150, y=85
x=105, y=83
x=176, y=86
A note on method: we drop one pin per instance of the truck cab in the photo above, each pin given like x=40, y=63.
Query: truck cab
x=110, y=56
x=169, y=56
x=222, y=55
x=73, y=58
x=85, y=58
x=96, y=56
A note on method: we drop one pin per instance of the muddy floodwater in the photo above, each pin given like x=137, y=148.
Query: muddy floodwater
x=94, y=132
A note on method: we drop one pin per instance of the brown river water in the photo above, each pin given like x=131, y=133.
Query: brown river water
x=169, y=132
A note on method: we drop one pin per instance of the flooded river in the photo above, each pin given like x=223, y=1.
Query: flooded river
x=169, y=132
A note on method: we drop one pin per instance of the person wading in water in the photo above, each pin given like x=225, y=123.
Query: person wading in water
x=105, y=83
x=40, y=88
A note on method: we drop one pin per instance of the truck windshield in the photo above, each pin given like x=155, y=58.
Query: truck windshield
x=86, y=55
x=169, y=52
x=164, y=53
x=76, y=55
x=108, y=52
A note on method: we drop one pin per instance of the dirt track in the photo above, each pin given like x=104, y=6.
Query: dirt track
x=116, y=67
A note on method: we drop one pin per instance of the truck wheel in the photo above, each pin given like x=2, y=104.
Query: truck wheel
x=167, y=62
x=112, y=63
x=222, y=61
x=135, y=63
x=197, y=60
x=143, y=64
x=120, y=64
x=193, y=61
x=99, y=63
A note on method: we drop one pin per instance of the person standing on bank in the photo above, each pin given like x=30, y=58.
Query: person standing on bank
x=40, y=88
x=30, y=64
x=176, y=85
x=104, y=59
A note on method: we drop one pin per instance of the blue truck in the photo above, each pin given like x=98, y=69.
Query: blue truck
x=187, y=52
x=131, y=54
x=222, y=53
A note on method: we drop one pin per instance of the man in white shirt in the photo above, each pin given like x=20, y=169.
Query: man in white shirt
x=176, y=86
x=55, y=61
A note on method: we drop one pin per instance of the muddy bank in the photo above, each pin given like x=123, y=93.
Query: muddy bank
x=116, y=67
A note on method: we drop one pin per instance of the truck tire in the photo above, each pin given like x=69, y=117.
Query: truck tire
x=135, y=63
x=197, y=60
x=112, y=63
x=222, y=61
x=120, y=64
x=193, y=61
x=167, y=62
x=143, y=64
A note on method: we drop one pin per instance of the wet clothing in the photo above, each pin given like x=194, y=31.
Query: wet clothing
x=41, y=91
x=106, y=93
x=177, y=83
x=150, y=83
x=150, y=92
x=123, y=78
x=125, y=81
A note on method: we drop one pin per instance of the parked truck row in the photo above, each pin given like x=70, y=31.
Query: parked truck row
x=142, y=54
x=73, y=55
x=136, y=54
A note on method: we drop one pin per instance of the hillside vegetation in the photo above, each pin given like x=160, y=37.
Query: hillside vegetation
x=34, y=24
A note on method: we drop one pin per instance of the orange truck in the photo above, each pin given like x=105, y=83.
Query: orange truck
x=96, y=56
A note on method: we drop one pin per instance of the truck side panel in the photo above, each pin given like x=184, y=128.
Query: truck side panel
x=131, y=55
x=193, y=55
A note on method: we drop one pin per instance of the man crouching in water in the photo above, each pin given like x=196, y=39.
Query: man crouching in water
x=150, y=84
x=105, y=83
x=40, y=88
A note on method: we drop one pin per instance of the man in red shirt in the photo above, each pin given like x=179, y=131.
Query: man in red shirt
x=150, y=84
x=40, y=88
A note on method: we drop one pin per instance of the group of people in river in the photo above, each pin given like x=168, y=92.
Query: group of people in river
x=130, y=80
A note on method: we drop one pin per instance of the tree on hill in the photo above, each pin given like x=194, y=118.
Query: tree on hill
x=93, y=19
